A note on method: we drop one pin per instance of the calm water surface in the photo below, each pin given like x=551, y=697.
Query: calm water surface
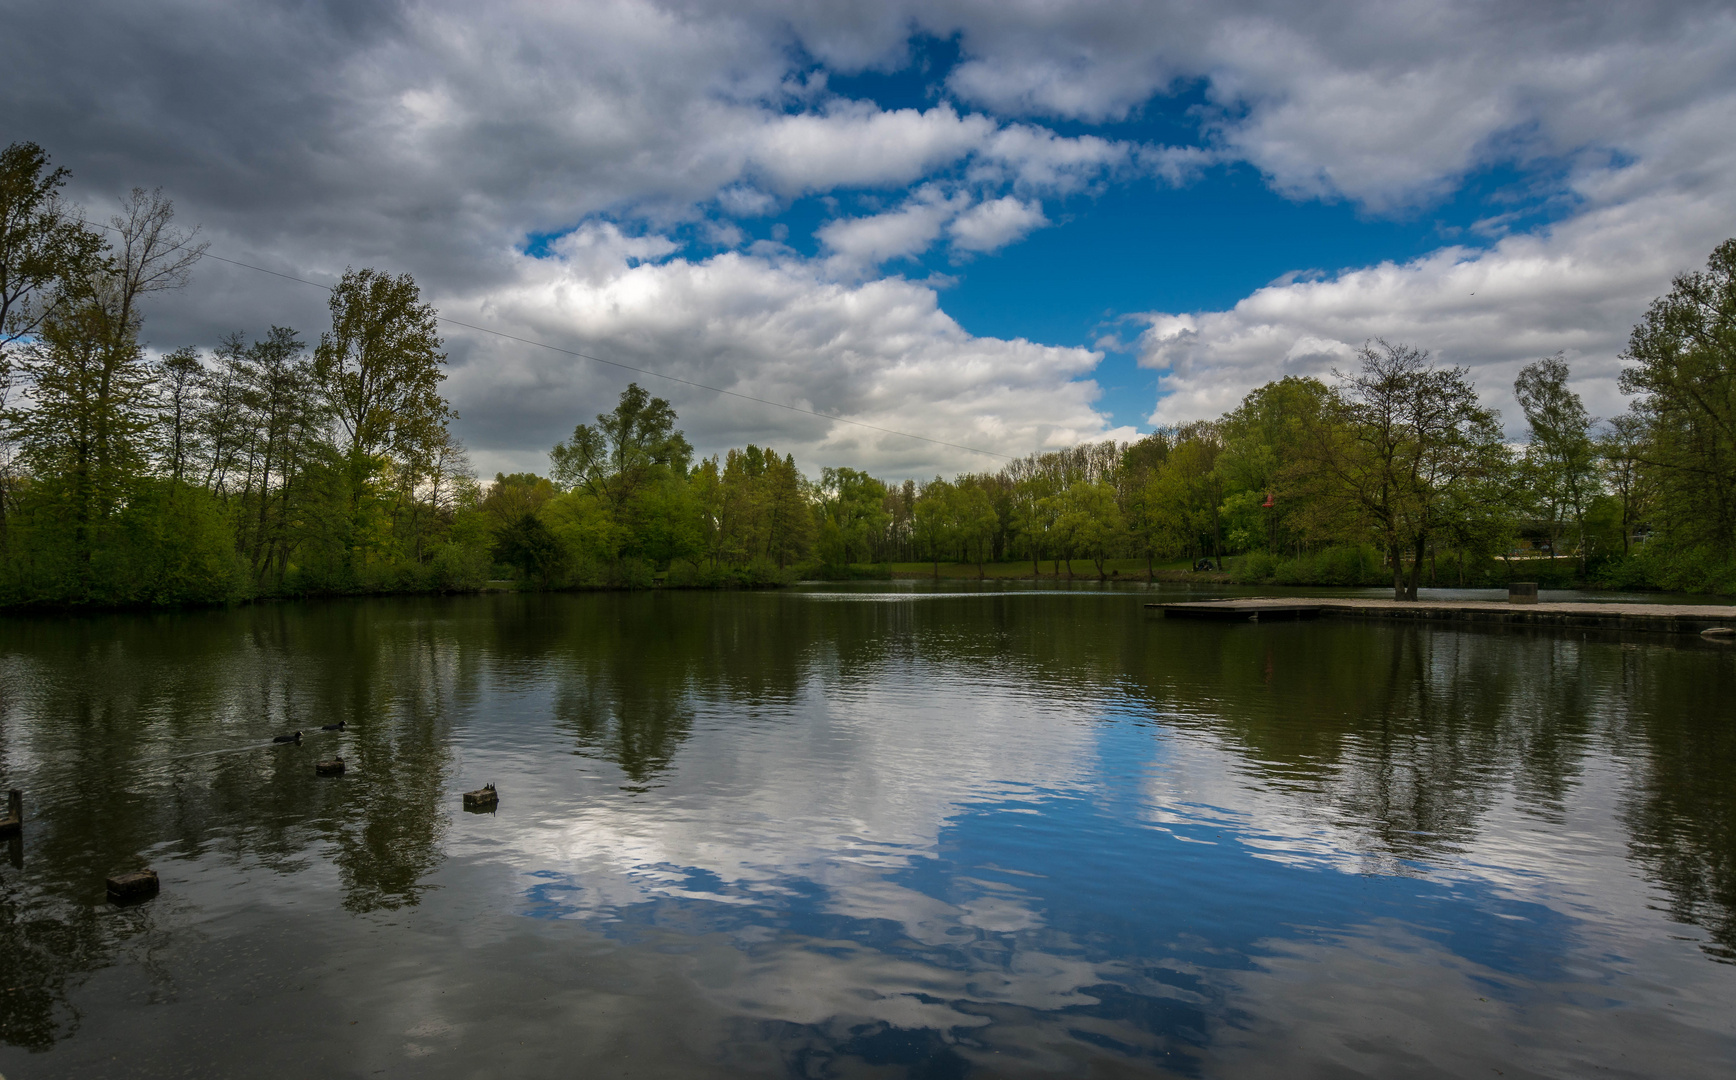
x=874, y=832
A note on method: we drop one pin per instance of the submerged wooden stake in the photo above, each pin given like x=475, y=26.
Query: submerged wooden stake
x=483, y=798
x=13, y=822
x=126, y=888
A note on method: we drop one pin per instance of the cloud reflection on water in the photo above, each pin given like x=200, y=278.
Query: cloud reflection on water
x=1027, y=833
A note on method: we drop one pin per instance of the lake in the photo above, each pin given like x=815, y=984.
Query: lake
x=882, y=830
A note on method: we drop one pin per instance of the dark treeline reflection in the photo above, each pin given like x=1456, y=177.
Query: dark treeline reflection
x=145, y=738
x=1681, y=808
x=631, y=671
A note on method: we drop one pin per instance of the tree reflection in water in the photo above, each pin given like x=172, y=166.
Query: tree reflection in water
x=1681, y=807
x=629, y=696
x=143, y=737
x=147, y=737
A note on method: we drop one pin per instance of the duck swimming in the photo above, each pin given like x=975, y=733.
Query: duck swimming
x=288, y=738
x=339, y=726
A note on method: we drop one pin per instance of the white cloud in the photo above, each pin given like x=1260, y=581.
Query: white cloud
x=859, y=244
x=1578, y=287
x=1389, y=103
x=782, y=328
x=853, y=144
x=1036, y=159
x=865, y=242
x=993, y=225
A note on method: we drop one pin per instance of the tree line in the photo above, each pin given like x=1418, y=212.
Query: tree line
x=269, y=465
x=1394, y=473
x=279, y=465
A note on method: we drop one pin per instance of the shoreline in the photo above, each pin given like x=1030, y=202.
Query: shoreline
x=1577, y=615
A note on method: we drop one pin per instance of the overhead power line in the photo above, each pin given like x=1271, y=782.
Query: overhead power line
x=643, y=371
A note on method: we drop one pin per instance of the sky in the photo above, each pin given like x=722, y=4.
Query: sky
x=1004, y=226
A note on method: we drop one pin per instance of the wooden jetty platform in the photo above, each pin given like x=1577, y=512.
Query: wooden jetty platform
x=1649, y=618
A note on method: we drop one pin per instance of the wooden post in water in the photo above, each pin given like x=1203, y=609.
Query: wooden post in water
x=127, y=888
x=13, y=822
x=1522, y=592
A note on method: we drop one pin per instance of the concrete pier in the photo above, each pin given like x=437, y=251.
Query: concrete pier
x=1648, y=618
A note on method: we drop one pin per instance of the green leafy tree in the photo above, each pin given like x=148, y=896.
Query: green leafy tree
x=620, y=454
x=1409, y=438
x=974, y=522
x=278, y=430
x=1090, y=520
x=381, y=366
x=932, y=525
x=527, y=545
x=790, y=517
x=1621, y=452
x=1185, y=495
x=46, y=253
x=84, y=433
x=46, y=249
x=179, y=376
x=743, y=507
x=1140, y=465
x=1559, y=471
x=1033, y=515
x=1683, y=357
x=852, y=508
x=1263, y=442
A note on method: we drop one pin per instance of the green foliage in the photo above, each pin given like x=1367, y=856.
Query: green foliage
x=171, y=544
x=1683, y=357
x=1404, y=456
x=1695, y=570
x=45, y=251
x=625, y=451
x=1342, y=565
x=527, y=545
x=1090, y=521
x=851, y=508
x=1559, y=475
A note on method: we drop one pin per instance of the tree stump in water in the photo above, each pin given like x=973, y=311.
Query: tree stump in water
x=128, y=888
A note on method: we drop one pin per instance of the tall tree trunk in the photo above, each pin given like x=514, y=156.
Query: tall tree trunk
x=1416, y=568
x=1392, y=553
